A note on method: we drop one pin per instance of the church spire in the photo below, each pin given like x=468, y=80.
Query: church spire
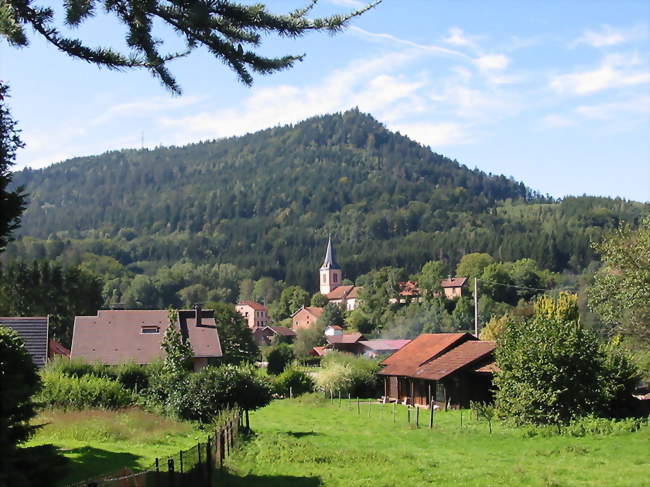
x=330, y=256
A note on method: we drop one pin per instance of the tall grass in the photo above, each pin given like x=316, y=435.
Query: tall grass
x=87, y=391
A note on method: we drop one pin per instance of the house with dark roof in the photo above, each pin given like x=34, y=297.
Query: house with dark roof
x=269, y=334
x=118, y=336
x=305, y=317
x=33, y=330
x=379, y=347
x=453, y=287
x=444, y=369
x=255, y=314
x=346, y=342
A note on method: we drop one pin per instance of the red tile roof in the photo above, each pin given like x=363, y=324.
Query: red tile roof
x=118, y=336
x=55, y=348
x=345, y=338
x=422, y=349
x=490, y=368
x=455, y=359
x=454, y=282
x=252, y=304
x=409, y=288
x=313, y=310
x=318, y=351
x=339, y=292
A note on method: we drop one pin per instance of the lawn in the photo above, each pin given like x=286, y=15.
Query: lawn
x=309, y=443
x=97, y=441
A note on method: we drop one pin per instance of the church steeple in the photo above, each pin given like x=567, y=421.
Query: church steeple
x=330, y=257
x=330, y=272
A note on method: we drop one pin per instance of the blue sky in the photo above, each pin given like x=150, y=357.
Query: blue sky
x=555, y=94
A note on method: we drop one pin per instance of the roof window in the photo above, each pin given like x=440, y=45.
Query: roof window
x=148, y=329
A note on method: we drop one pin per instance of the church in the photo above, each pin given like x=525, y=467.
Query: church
x=331, y=282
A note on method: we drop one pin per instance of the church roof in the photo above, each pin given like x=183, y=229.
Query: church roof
x=330, y=257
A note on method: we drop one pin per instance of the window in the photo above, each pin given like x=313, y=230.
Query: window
x=334, y=277
x=147, y=329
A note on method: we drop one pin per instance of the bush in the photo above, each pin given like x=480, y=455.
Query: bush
x=132, y=376
x=78, y=368
x=279, y=357
x=591, y=425
x=295, y=381
x=60, y=390
x=348, y=374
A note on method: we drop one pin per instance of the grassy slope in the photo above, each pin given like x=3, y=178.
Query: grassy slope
x=98, y=442
x=307, y=446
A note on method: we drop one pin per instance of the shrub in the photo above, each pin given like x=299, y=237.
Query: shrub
x=132, y=376
x=88, y=391
x=279, y=357
x=348, y=374
x=295, y=381
x=591, y=425
x=78, y=367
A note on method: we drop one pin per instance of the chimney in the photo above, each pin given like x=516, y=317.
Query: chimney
x=197, y=314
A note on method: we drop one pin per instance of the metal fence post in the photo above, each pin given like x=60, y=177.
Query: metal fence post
x=180, y=457
x=408, y=414
x=208, y=463
x=417, y=417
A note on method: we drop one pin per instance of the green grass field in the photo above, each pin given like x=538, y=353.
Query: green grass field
x=97, y=442
x=309, y=443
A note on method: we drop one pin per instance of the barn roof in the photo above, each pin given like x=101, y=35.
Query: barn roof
x=453, y=282
x=424, y=348
x=455, y=359
x=33, y=330
x=283, y=330
x=381, y=345
x=118, y=336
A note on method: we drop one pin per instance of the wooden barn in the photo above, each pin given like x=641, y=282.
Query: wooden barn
x=444, y=369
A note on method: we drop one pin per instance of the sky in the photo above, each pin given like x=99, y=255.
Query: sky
x=555, y=94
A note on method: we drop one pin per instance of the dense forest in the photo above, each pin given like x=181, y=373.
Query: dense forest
x=263, y=205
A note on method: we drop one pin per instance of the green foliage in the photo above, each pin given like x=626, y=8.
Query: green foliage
x=333, y=314
x=178, y=350
x=18, y=383
x=429, y=279
x=291, y=300
x=380, y=294
x=294, y=381
x=308, y=338
x=279, y=358
x=621, y=290
x=473, y=265
x=318, y=300
x=132, y=376
x=357, y=320
x=88, y=391
x=12, y=202
x=496, y=284
x=347, y=374
x=45, y=288
x=554, y=370
x=236, y=338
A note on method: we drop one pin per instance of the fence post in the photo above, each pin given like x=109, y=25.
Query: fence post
x=170, y=471
x=408, y=413
x=358, y=406
x=417, y=417
x=339, y=398
x=431, y=413
x=198, y=450
x=208, y=463
x=180, y=456
x=349, y=401
x=394, y=408
x=290, y=392
x=227, y=438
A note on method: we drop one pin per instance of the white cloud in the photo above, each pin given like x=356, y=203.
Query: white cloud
x=492, y=62
x=558, y=121
x=434, y=134
x=610, y=36
x=607, y=111
x=349, y=3
x=615, y=71
x=457, y=37
x=151, y=105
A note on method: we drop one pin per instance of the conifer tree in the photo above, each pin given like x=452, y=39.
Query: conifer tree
x=230, y=31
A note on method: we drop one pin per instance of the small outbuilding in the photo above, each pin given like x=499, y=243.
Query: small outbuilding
x=444, y=369
x=266, y=335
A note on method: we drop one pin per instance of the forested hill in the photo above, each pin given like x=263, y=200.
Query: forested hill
x=266, y=202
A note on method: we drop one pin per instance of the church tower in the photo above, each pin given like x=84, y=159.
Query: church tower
x=330, y=272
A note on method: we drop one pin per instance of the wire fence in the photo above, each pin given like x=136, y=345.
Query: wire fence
x=194, y=467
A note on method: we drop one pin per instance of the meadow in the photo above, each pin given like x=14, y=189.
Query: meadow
x=309, y=442
x=99, y=441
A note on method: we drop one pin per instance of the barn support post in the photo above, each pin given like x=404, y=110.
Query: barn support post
x=429, y=396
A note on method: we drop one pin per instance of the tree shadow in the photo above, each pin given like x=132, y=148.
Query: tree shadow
x=225, y=478
x=300, y=434
x=87, y=462
x=38, y=465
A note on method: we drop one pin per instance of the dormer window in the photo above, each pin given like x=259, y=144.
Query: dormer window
x=149, y=329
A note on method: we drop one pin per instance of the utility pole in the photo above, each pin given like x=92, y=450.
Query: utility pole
x=476, y=307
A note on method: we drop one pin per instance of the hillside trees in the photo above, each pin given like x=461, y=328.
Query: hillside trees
x=12, y=202
x=621, y=290
x=231, y=32
x=236, y=338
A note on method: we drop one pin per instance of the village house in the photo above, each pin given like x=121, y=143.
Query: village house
x=118, y=336
x=331, y=282
x=444, y=369
x=453, y=287
x=332, y=330
x=255, y=314
x=379, y=347
x=267, y=335
x=34, y=332
x=305, y=317
x=346, y=342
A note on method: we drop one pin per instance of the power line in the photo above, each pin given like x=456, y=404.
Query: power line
x=515, y=286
